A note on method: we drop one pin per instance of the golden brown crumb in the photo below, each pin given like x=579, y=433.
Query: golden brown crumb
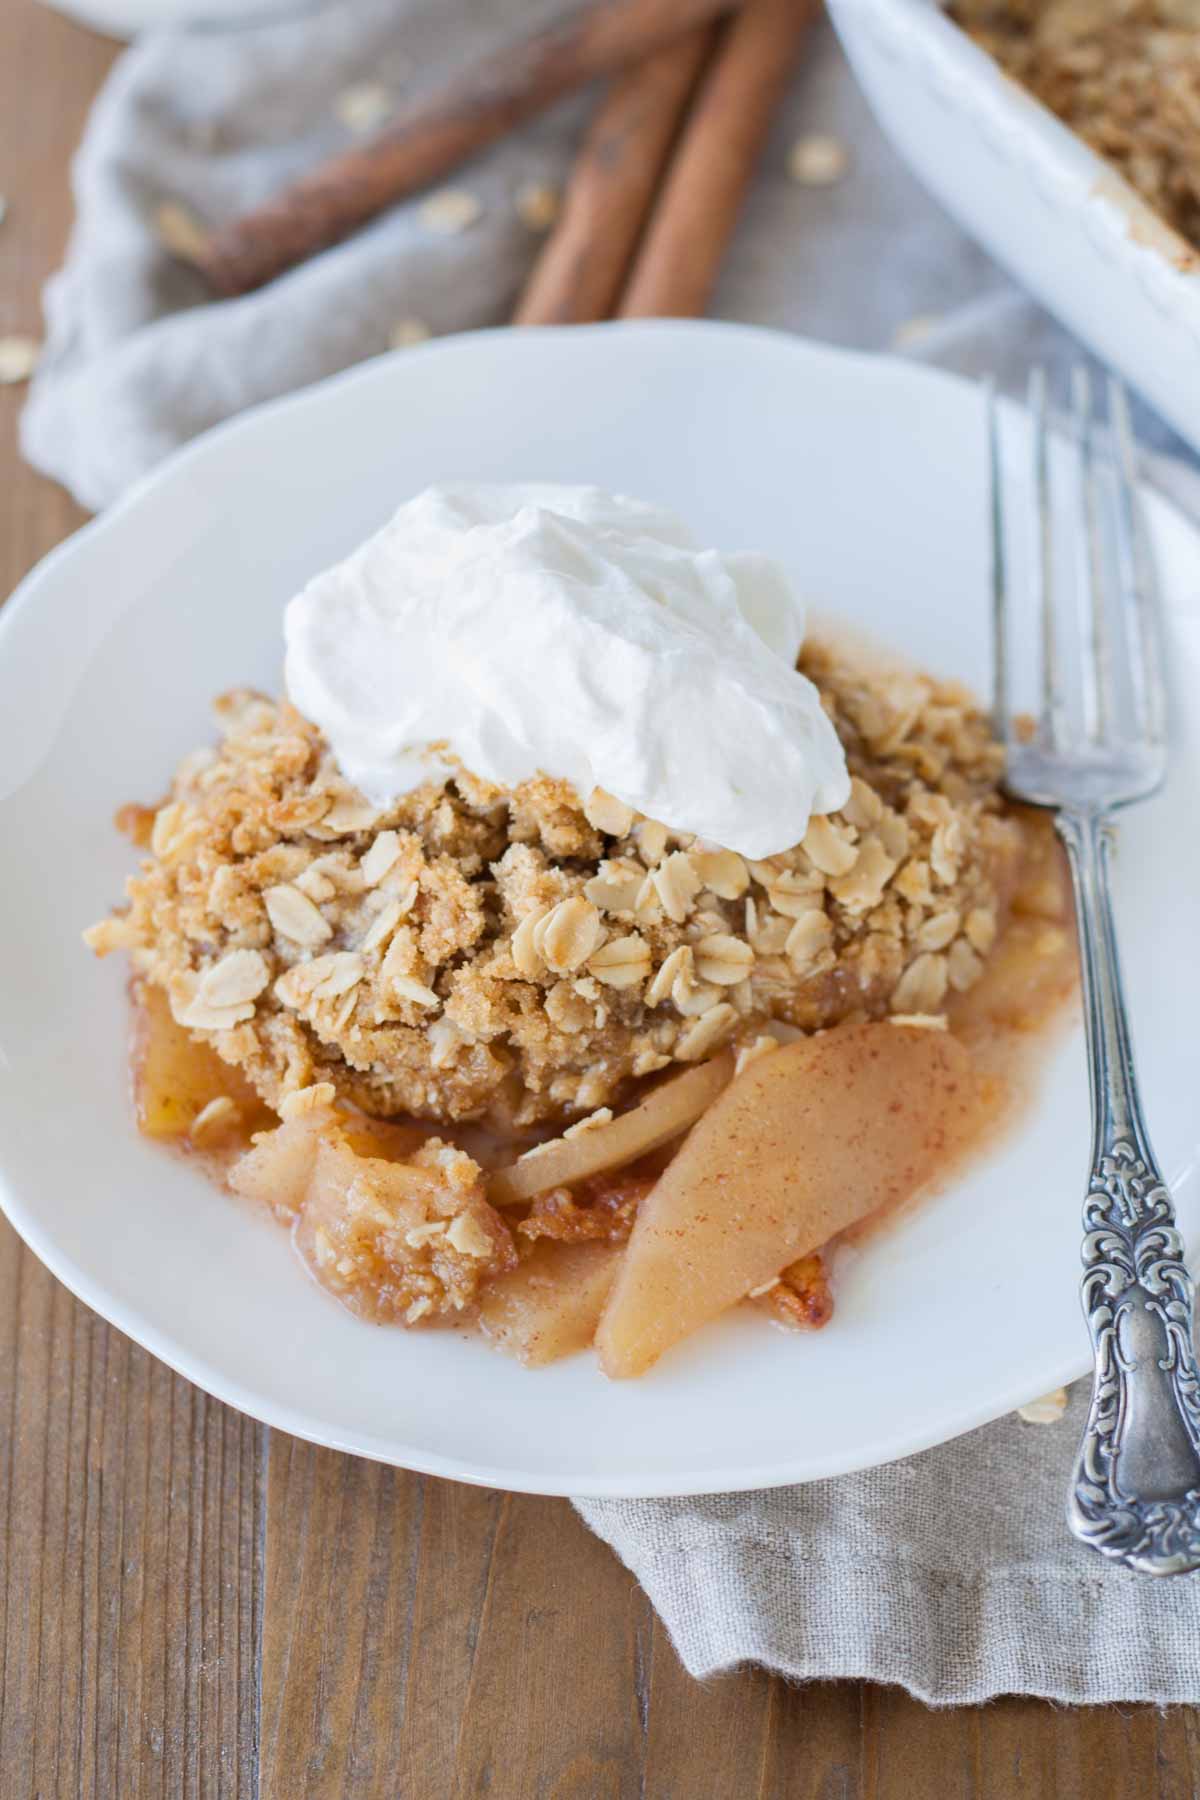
x=136, y=823
x=603, y=1208
x=474, y=952
x=802, y=1297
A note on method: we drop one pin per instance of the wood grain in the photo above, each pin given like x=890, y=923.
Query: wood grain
x=419, y=1640
x=130, y=1503
x=130, y=1531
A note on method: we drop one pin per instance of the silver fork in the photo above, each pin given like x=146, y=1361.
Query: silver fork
x=1135, y=1490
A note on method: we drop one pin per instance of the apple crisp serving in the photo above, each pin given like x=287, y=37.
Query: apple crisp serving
x=524, y=956
x=323, y=984
x=1123, y=74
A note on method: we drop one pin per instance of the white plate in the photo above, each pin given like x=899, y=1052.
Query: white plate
x=865, y=477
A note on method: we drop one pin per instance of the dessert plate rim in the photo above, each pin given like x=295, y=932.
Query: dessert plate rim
x=64, y=590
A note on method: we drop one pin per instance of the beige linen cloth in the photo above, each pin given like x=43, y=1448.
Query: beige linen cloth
x=952, y=1572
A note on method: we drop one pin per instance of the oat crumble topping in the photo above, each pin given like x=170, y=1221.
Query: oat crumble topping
x=472, y=952
x=1123, y=74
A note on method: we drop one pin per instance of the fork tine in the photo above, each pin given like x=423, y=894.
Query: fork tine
x=1096, y=674
x=1001, y=716
x=1136, y=574
x=1052, y=722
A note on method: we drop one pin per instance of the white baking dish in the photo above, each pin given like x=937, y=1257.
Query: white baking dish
x=126, y=18
x=1045, y=206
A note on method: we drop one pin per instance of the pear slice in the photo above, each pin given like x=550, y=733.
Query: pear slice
x=805, y=1142
x=665, y=1113
x=278, y=1167
x=175, y=1075
x=549, y=1306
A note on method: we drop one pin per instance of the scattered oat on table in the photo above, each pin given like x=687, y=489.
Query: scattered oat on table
x=915, y=330
x=180, y=231
x=18, y=359
x=362, y=107
x=407, y=332
x=818, y=161
x=1046, y=1410
x=538, y=205
x=450, y=210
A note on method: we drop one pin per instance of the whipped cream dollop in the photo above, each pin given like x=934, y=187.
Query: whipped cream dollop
x=535, y=628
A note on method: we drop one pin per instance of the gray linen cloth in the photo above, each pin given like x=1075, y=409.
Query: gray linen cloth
x=950, y=1573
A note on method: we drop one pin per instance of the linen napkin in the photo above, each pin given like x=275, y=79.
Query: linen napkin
x=194, y=126
x=950, y=1573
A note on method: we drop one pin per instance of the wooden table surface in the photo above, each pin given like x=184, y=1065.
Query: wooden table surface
x=193, y=1605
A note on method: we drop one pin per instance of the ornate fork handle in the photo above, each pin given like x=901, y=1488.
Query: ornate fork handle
x=1135, y=1493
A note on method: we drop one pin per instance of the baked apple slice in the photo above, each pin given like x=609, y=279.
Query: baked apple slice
x=805, y=1142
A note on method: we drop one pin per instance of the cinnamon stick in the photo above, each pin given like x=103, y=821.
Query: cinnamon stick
x=677, y=265
x=581, y=271
x=435, y=133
